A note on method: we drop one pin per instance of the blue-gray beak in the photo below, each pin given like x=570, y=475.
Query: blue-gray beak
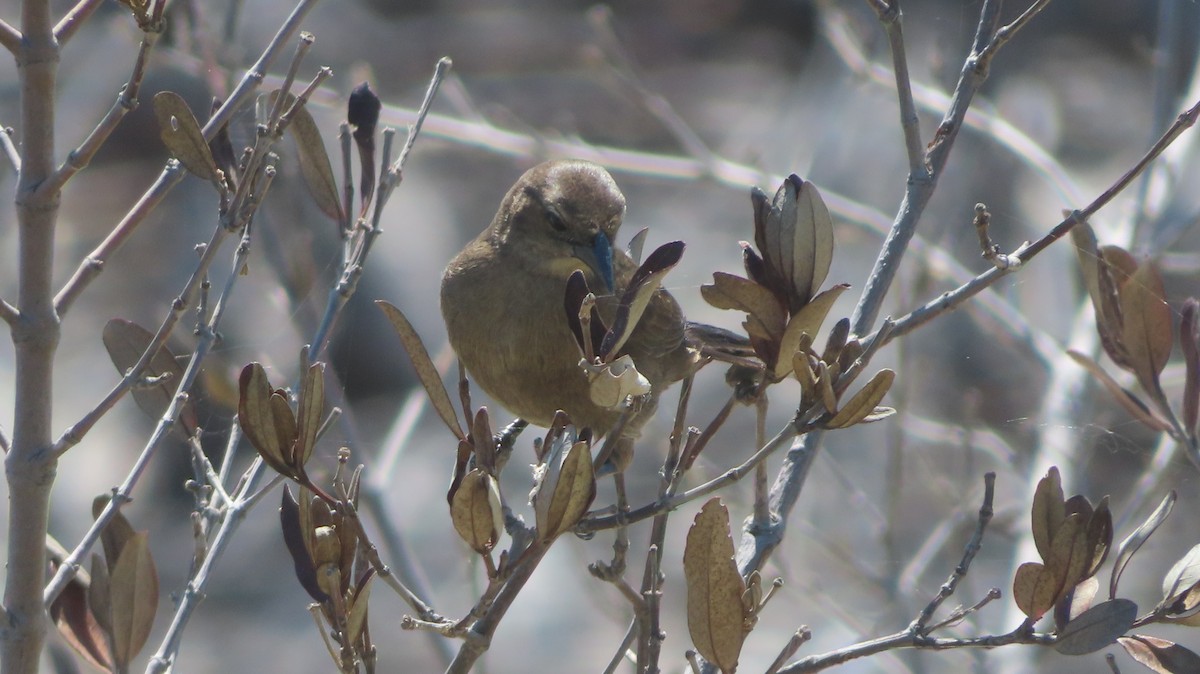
x=599, y=258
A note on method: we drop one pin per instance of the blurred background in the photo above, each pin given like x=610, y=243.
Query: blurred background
x=688, y=103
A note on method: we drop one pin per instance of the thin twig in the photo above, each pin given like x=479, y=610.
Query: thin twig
x=127, y=99
x=890, y=16
x=91, y=266
x=10, y=37
x=73, y=20
x=973, y=546
x=918, y=192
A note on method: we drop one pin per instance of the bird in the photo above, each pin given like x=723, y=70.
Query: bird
x=502, y=300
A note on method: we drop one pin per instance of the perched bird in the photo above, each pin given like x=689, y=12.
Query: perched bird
x=502, y=299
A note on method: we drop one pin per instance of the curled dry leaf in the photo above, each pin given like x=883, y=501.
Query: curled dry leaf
x=1134, y=541
x=475, y=511
x=1183, y=576
x=181, y=133
x=423, y=365
x=564, y=491
x=734, y=292
x=610, y=384
x=864, y=403
x=1160, y=655
x=716, y=615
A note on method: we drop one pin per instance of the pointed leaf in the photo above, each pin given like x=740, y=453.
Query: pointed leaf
x=714, y=588
x=357, y=618
x=566, y=491
x=285, y=429
x=310, y=408
x=807, y=320
x=1097, y=627
x=257, y=417
x=423, y=365
x=77, y=624
x=642, y=286
x=863, y=403
x=134, y=599
x=293, y=537
x=1049, y=511
x=99, y=596
x=314, y=161
x=813, y=250
x=1099, y=536
x=1147, y=325
x=1069, y=554
x=181, y=134
x=475, y=513
x=1134, y=406
x=115, y=534
x=1134, y=541
x=1160, y=655
x=125, y=342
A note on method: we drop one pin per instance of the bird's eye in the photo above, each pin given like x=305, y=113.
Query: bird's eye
x=556, y=220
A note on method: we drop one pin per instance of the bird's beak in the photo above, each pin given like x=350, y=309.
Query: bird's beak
x=599, y=257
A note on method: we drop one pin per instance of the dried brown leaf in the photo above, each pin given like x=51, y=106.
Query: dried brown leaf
x=1049, y=511
x=116, y=533
x=475, y=511
x=257, y=417
x=636, y=297
x=125, y=342
x=714, y=588
x=314, y=161
x=1146, y=320
x=1025, y=583
x=134, y=598
x=864, y=402
x=423, y=365
x=1183, y=576
x=807, y=320
x=181, y=133
x=77, y=624
x=1134, y=541
x=1160, y=655
x=565, y=491
x=293, y=525
x=734, y=292
x=356, y=619
x=1133, y=405
x=310, y=408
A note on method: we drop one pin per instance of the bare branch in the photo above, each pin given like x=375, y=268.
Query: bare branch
x=10, y=37
x=71, y=22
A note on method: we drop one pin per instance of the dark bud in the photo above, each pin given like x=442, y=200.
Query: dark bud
x=363, y=112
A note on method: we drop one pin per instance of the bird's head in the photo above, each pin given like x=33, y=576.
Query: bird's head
x=569, y=208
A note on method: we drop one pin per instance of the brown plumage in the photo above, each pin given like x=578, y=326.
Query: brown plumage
x=502, y=299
